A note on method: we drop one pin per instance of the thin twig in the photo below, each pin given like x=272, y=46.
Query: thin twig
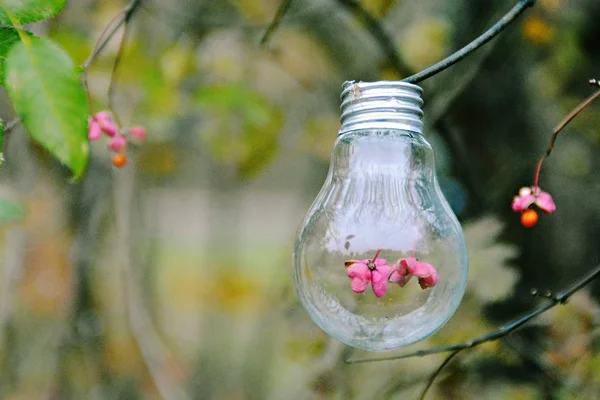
x=569, y=118
x=499, y=333
x=123, y=17
x=488, y=35
x=379, y=34
x=436, y=373
x=283, y=8
x=113, y=78
x=562, y=125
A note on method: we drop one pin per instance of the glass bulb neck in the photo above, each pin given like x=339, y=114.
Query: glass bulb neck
x=381, y=105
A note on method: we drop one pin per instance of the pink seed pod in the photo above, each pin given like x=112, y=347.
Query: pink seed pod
x=117, y=143
x=106, y=123
x=138, y=132
x=94, y=131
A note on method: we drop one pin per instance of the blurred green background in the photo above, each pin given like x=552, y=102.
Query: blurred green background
x=171, y=278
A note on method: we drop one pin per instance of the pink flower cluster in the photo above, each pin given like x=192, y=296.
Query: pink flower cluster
x=533, y=195
x=103, y=123
x=379, y=274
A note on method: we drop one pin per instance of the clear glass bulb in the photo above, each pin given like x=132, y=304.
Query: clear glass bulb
x=359, y=258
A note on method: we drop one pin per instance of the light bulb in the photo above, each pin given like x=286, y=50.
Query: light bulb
x=380, y=260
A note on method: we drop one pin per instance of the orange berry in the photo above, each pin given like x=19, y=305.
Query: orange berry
x=119, y=160
x=529, y=218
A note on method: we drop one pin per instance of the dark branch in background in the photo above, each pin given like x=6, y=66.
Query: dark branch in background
x=501, y=332
x=283, y=7
x=372, y=25
x=433, y=376
x=387, y=44
x=488, y=35
x=379, y=34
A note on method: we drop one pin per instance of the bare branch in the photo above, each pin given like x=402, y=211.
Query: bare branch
x=111, y=29
x=502, y=331
x=436, y=373
x=283, y=8
x=488, y=35
x=562, y=125
x=379, y=34
x=113, y=77
x=570, y=118
x=122, y=18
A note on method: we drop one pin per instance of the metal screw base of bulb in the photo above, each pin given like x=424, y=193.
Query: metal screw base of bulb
x=385, y=104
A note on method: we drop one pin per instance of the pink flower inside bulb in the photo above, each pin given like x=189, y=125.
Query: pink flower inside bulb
x=409, y=267
x=374, y=271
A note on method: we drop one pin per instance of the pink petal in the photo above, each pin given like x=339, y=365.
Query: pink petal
x=358, y=285
x=405, y=263
x=94, y=131
x=420, y=269
x=117, y=143
x=431, y=280
x=426, y=282
x=360, y=275
x=380, y=261
x=400, y=278
x=103, y=116
x=522, y=203
x=106, y=123
x=545, y=202
x=380, y=279
x=401, y=275
x=109, y=129
x=138, y=132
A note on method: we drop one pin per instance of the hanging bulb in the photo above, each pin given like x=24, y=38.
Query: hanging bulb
x=380, y=261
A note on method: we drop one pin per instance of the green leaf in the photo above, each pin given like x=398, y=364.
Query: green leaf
x=10, y=211
x=46, y=93
x=19, y=12
x=8, y=37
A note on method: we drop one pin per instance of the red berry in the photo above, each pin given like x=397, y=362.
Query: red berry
x=119, y=160
x=529, y=218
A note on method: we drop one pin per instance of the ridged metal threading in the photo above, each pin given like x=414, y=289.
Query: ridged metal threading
x=381, y=105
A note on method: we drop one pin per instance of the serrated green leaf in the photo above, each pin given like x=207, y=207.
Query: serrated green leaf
x=8, y=37
x=46, y=93
x=10, y=211
x=19, y=12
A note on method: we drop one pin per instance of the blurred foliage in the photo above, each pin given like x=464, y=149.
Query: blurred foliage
x=238, y=144
x=240, y=127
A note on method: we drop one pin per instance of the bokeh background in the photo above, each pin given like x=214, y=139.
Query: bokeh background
x=171, y=278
